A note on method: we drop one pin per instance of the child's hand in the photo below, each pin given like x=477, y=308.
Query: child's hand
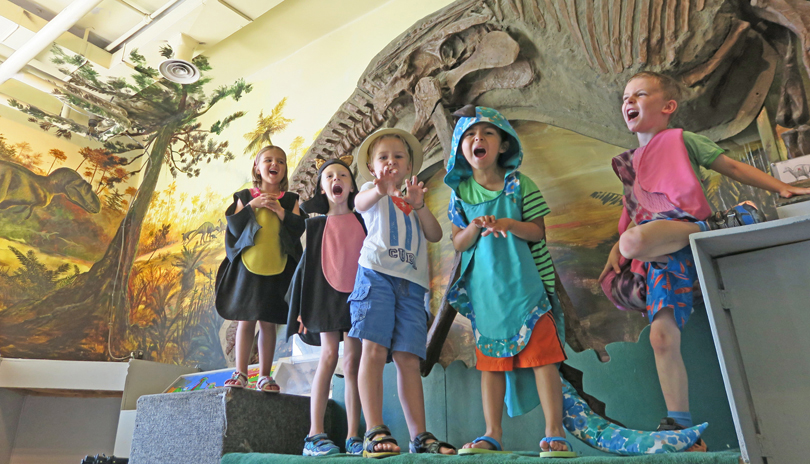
x=612, y=265
x=385, y=183
x=790, y=190
x=482, y=221
x=498, y=226
x=274, y=206
x=415, y=192
x=262, y=201
x=301, y=328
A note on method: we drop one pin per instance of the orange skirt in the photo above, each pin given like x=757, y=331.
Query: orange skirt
x=544, y=348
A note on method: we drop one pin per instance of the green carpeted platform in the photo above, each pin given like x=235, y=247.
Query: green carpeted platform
x=724, y=457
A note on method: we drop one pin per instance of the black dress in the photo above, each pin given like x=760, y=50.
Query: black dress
x=242, y=295
x=321, y=307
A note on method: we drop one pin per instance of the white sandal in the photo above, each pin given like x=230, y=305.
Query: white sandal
x=237, y=380
x=268, y=385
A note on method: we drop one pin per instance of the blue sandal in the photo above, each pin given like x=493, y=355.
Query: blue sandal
x=354, y=446
x=319, y=445
x=556, y=454
x=497, y=447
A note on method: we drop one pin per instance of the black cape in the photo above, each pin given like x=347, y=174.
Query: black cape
x=321, y=307
x=240, y=294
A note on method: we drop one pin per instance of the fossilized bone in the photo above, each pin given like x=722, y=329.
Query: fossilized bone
x=792, y=14
x=797, y=141
x=21, y=189
x=574, y=57
x=792, y=110
x=569, y=70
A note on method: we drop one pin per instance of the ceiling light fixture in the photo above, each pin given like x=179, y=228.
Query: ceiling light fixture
x=179, y=68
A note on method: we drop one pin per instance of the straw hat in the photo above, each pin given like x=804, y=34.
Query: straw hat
x=413, y=143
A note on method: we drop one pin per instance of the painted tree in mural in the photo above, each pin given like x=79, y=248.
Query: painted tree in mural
x=266, y=126
x=150, y=120
x=58, y=155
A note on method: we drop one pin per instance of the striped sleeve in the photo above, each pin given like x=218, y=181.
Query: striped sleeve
x=534, y=205
x=542, y=261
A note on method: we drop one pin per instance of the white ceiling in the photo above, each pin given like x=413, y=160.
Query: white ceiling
x=240, y=36
x=110, y=32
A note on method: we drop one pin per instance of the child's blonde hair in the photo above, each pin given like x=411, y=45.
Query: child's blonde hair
x=671, y=88
x=374, y=143
x=257, y=178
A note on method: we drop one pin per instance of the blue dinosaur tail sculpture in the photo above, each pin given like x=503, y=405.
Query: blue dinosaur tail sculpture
x=599, y=433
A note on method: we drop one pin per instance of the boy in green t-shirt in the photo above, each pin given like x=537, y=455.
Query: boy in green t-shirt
x=663, y=204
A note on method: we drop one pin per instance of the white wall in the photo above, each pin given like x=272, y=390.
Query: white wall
x=61, y=430
x=11, y=404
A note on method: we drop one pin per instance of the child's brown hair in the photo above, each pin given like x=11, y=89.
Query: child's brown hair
x=671, y=88
x=257, y=178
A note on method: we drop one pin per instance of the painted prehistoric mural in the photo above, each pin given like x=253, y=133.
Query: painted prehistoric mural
x=104, y=254
x=171, y=318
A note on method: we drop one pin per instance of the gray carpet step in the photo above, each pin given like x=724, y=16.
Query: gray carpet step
x=201, y=426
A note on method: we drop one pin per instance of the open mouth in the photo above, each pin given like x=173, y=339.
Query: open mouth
x=480, y=152
x=273, y=172
x=337, y=190
x=632, y=114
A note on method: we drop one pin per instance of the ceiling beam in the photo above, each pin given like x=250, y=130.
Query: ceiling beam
x=46, y=36
x=155, y=24
x=67, y=40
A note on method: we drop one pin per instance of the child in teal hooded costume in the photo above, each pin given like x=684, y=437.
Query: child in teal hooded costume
x=506, y=284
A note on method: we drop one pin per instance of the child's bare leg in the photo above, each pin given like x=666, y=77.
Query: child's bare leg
x=351, y=364
x=245, y=331
x=267, y=347
x=549, y=389
x=653, y=240
x=411, y=396
x=493, y=389
x=665, y=338
x=330, y=342
x=370, y=385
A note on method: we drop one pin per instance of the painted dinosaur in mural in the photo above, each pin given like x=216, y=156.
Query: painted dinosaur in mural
x=143, y=116
x=802, y=170
x=565, y=63
x=206, y=232
x=22, y=190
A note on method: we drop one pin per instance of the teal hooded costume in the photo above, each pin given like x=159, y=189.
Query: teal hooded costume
x=499, y=288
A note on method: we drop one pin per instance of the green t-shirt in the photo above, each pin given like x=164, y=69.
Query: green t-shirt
x=702, y=151
x=534, y=206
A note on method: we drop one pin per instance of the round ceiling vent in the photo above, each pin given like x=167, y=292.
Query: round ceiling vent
x=179, y=71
